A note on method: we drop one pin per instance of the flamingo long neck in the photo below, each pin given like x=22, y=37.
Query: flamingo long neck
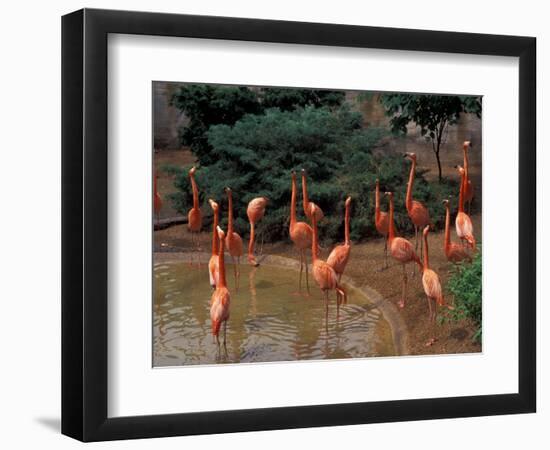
x=447, y=227
x=466, y=164
x=461, y=194
x=346, y=225
x=426, y=258
x=408, y=200
x=377, y=203
x=230, y=213
x=215, y=234
x=195, y=192
x=304, y=192
x=293, y=203
x=391, y=231
x=221, y=264
x=314, y=241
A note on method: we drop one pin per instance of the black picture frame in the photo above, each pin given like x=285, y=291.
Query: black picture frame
x=84, y=224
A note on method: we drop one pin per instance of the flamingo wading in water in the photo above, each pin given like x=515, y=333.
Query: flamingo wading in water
x=463, y=223
x=221, y=298
x=432, y=286
x=301, y=234
x=401, y=250
x=469, y=188
x=454, y=252
x=339, y=255
x=381, y=221
x=213, y=266
x=417, y=211
x=324, y=274
x=234, y=241
x=306, y=203
x=255, y=211
x=194, y=217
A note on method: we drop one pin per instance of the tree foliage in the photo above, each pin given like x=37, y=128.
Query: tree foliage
x=255, y=155
x=432, y=113
x=208, y=105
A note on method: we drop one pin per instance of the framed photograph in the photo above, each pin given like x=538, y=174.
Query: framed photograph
x=273, y=224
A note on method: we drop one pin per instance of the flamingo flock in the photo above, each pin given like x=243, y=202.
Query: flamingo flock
x=305, y=236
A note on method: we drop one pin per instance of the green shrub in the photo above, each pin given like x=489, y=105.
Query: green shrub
x=465, y=285
x=255, y=156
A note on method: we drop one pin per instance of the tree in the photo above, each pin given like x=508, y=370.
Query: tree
x=432, y=113
x=207, y=105
x=255, y=155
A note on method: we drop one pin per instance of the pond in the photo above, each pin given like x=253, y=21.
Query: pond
x=269, y=320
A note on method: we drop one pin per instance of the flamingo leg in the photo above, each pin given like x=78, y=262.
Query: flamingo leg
x=234, y=271
x=301, y=269
x=326, y=307
x=224, y=333
x=386, y=250
x=307, y=270
x=238, y=271
x=404, y=288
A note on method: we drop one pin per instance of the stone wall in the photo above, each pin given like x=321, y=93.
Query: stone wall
x=167, y=120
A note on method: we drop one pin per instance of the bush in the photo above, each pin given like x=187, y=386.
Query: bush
x=208, y=105
x=255, y=156
x=465, y=285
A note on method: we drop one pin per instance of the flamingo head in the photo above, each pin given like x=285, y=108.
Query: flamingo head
x=389, y=194
x=446, y=202
x=227, y=190
x=348, y=202
x=426, y=230
x=467, y=145
x=313, y=209
x=221, y=234
x=192, y=171
x=411, y=156
x=213, y=205
x=377, y=183
x=304, y=172
x=460, y=170
x=293, y=174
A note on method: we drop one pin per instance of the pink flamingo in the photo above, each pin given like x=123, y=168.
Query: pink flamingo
x=221, y=298
x=323, y=273
x=234, y=241
x=306, y=203
x=194, y=217
x=157, y=199
x=301, y=234
x=454, y=252
x=417, y=211
x=213, y=266
x=469, y=188
x=339, y=256
x=381, y=222
x=463, y=223
x=255, y=212
x=432, y=286
x=401, y=250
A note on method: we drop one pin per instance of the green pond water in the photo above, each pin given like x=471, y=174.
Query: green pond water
x=268, y=322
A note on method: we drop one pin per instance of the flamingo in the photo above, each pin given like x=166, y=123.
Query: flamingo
x=463, y=223
x=432, y=286
x=324, y=274
x=469, y=188
x=339, y=255
x=213, y=266
x=417, y=211
x=454, y=252
x=157, y=199
x=221, y=298
x=234, y=241
x=401, y=250
x=306, y=203
x=301, y=234
x=381, y=221
x=194, y=217
x=255, y=211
